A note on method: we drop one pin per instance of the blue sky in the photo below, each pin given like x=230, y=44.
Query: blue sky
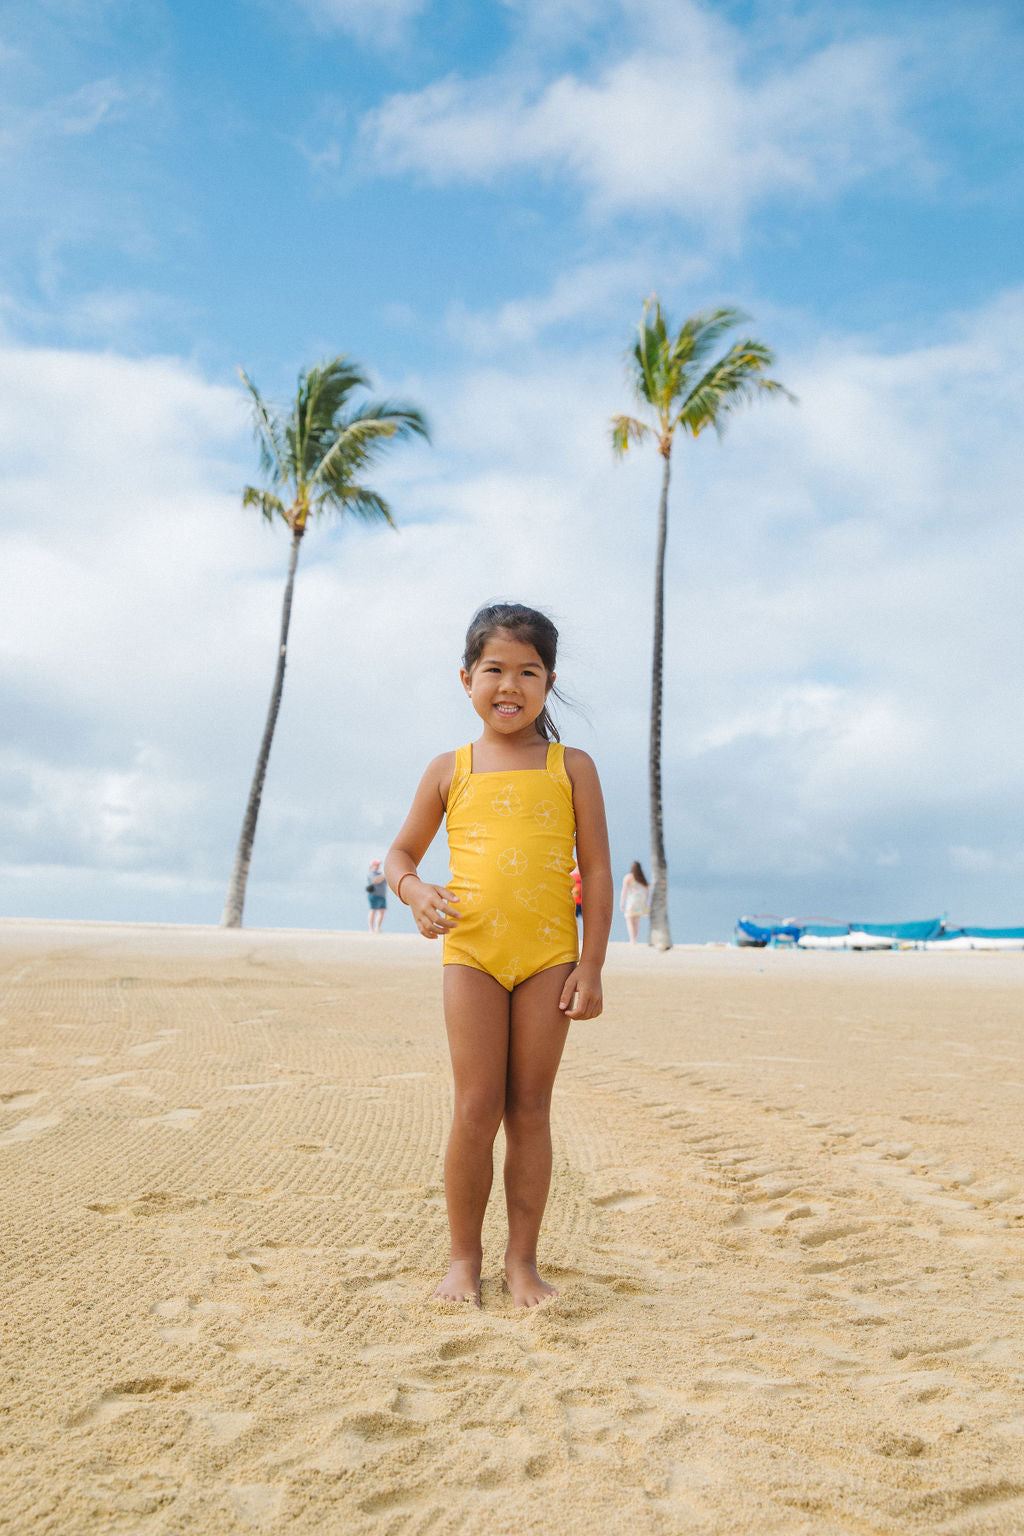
x=473, y=200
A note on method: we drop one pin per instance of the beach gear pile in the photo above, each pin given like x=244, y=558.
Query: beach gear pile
x=933, y=933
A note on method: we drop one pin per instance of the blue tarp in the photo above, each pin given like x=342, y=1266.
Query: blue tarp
x=768, y=930
x=911, y=932
x=981, y=933
x=758, y=934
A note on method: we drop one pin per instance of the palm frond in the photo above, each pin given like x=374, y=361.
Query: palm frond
x=270, y=505
x=733, y=380
x=358, y=500
x=648, y=354
x=700, y=334
x=408, y=420
x=626, y=430
x=352, y=444
x=323, y=394
x=270, y=434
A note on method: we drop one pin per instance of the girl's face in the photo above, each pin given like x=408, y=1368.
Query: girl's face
x=508, y=686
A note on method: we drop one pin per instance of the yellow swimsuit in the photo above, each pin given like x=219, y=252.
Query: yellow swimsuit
x=510, y=840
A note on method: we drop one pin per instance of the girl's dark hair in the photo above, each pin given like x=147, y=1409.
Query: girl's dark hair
x=530, y=627
x=637, y=872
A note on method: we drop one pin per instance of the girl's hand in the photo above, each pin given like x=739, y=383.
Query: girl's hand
x=429, y=907
x=581, y=996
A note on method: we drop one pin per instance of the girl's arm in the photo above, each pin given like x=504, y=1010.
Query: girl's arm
x=429, y=904
x=622, y=894
x=581, y=996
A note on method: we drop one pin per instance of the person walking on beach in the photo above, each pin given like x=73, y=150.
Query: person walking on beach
x=376, y=890
x=634, y=899
x=516, y=802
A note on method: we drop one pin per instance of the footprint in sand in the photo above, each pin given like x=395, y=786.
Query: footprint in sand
x=253, y=1087
x=181, y=1119
x=157, y=1203
x=832, y=1232
x=29, y=1128
x=190, y=1322
x=262, y=1258
x=259, y=1352
x=763, y=1218
x=623, y=1200
x=124, y=1397
x=621, y=1189
x=97, y=1084
x=256, y=1503
x=224, y=1425
x=21, y=1098
x=180, y=1319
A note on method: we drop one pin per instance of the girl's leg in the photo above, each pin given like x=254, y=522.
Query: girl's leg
x=476, y=1013
x=632, y=926
x=536, y=1041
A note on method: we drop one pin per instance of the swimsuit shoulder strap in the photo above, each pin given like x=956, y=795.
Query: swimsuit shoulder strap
x=555, y=764
x=463, y=769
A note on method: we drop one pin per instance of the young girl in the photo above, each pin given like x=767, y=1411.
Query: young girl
x=516, y=803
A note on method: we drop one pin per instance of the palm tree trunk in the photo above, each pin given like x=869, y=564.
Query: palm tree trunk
x=660, y=937
x=231, y=917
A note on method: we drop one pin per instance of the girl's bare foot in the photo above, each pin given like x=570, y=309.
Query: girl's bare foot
x=525, y=1285
x=461, y=1283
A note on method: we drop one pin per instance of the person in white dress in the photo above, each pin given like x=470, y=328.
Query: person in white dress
x=634, y=900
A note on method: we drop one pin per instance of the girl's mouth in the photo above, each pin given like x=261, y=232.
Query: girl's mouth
x=508, y=709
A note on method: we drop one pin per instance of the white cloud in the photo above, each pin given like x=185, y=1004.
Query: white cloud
x=585, y=292
x=377, y=23
x=696, y=124
x=74, y=114
x=111, y=317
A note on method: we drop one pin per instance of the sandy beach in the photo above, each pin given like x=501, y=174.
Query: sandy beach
x=787, y=1225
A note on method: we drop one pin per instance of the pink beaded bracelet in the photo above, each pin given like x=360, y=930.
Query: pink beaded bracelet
x=398, y=887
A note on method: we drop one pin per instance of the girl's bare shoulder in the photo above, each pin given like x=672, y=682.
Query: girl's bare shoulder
x=580, y=765
x=439, y=772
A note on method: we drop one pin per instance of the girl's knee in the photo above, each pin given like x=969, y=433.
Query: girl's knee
x=478, y=1115
x=525, y=1111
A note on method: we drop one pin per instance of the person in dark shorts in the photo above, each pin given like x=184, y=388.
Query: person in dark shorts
x=376, y=889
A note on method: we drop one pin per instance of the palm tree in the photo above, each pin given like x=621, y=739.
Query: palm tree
x=672, y=376
x=312, y=456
